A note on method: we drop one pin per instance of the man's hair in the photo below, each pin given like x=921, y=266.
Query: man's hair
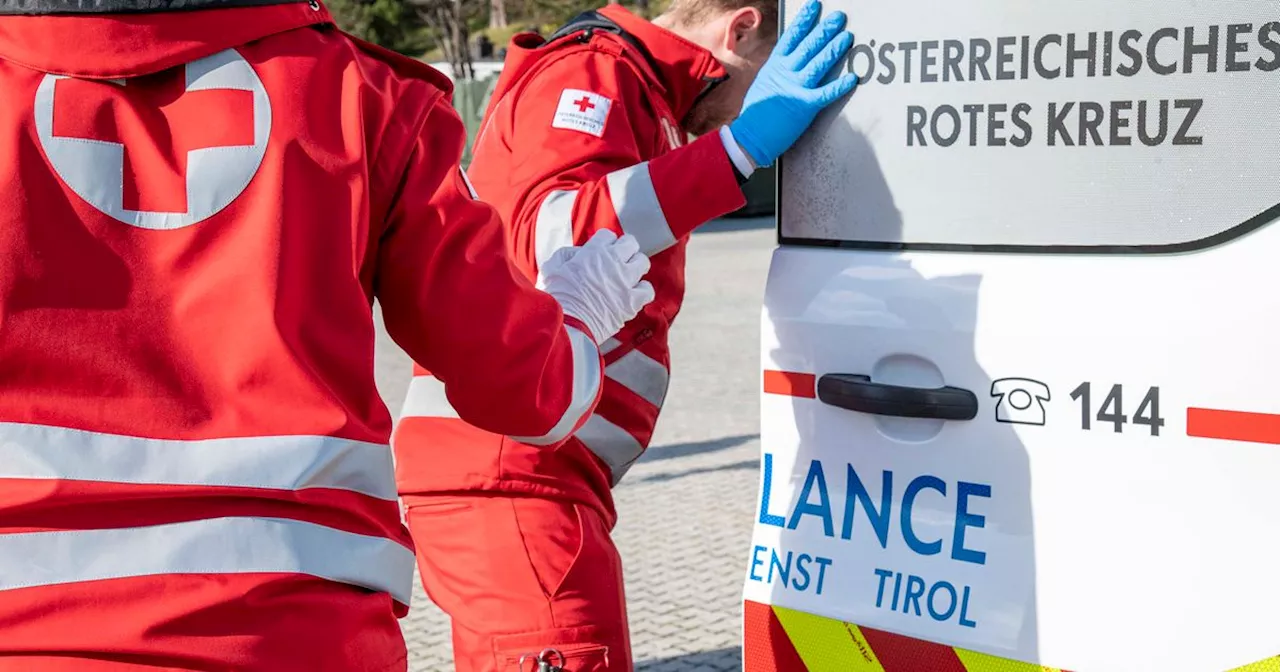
x=692, y=12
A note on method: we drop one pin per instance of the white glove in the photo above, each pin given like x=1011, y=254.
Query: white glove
x=600, y=283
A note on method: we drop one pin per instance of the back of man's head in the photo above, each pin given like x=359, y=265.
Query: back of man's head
x=740, y=34
x=691, y=13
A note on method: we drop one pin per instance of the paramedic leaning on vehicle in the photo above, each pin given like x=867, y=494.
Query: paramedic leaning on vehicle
x=194, y=224
x=585, y=133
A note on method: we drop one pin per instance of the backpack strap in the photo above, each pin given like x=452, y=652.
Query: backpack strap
x=586, y=23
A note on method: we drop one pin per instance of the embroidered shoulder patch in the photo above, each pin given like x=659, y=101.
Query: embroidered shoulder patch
x=582, y=111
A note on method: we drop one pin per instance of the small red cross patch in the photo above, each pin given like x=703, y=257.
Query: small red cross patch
x=582, y=111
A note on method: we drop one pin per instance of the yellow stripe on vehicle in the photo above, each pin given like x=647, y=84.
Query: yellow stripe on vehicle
x=982, y=662
x=1268, y=665
x=827, y=645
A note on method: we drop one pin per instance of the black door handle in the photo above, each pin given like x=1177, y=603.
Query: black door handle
x=858, y=393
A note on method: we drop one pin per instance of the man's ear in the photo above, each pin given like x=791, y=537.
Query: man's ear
x=743, y=34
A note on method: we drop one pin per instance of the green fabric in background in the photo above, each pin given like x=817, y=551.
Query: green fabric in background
x=470, y=98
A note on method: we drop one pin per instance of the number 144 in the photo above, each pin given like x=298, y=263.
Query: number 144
x=1111, y=410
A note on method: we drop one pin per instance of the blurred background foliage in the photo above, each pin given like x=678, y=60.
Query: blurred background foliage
x=454, y=31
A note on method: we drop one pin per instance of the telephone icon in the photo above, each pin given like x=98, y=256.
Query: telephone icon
x=1020, y=401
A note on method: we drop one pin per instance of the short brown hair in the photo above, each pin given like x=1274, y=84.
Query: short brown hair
x=691, y=12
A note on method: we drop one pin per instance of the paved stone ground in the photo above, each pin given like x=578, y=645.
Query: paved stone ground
x=686, y=508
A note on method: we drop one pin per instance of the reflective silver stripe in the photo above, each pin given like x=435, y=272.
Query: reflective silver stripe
x=553, y=228
x=609, y=346
x=426, y=399
x=610, y=443
x=637, y=207
x=470, y=187
x=641, y=374
x=214, y=546
x=585, y=386
x=272, y=462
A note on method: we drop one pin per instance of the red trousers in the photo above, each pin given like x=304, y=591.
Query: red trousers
x=519, y=575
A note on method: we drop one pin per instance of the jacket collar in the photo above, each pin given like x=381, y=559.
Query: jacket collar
x=48, y=7
x=685, y=69
x=109, y=46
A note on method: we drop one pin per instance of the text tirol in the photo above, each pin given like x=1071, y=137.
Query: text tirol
x=924, y=597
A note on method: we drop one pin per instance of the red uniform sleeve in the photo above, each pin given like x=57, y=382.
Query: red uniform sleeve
x=508, y=360
x=575, y=182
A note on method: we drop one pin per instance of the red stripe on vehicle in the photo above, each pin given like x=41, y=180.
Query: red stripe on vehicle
x=767, y=648
x=904, y=654
x=1211, y=423
x=786, y=383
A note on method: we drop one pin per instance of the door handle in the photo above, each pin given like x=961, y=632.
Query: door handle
x=858, y=393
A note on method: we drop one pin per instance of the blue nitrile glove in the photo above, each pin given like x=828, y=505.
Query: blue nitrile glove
x=787, y=94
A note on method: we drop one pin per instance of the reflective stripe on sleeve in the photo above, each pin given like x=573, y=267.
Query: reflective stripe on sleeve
x=636, y=204
x=612, y=444
x=215, y=546
x=642, y=374
x=270, y=462
x=553, y=228
x=426, y=398
x=609, y=346
x=585, y=386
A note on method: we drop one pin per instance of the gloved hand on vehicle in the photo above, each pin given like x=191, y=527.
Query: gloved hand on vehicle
x=788, y=93
x=600, y=282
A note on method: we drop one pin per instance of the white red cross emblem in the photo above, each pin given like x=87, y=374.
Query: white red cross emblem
x=161, y=151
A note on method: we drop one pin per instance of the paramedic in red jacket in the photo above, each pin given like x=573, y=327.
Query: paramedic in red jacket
x=585, y=133
x=198, y=209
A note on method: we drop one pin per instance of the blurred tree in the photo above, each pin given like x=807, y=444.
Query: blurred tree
x=389, y=23
x=448, y=21
x=416, y=27
x=497, y=13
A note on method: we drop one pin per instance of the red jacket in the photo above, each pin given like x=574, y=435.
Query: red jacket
x=584, y=134
x=194, y=469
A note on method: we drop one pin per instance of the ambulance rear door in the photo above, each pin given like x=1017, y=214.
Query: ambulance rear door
x=1020, y=382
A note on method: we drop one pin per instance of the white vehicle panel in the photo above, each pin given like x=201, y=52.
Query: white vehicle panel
x=1103, y=287
x=1103, y=550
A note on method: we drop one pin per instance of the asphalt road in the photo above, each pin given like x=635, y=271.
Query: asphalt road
x=686, y=508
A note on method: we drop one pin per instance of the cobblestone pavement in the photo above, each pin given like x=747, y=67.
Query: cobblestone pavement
x=686, y=508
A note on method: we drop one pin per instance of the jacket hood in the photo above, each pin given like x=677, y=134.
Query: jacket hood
x=685, y=69
x=112, y=39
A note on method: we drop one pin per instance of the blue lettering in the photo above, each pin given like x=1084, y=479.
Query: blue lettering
x=767, y=518
x=964, y=611
x=951, y=606
x=756, y=562
x=915, y=590
x=965, y=519
x=798, y=576
x=908, y=501
x=941, y=599
x=822, y=508
x=784, y=571
x=803, y=571
x=883, y=574
x=856, y=492
x=823, y=564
